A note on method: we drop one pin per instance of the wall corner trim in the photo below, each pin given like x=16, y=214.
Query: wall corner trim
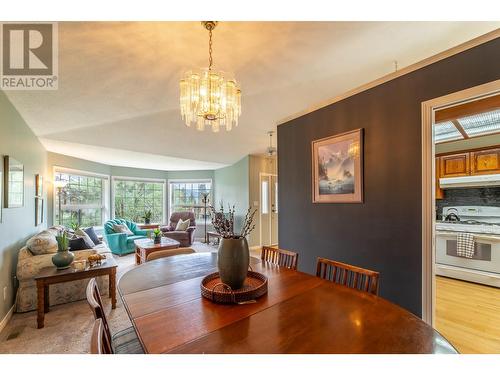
x=7, y=318
x=389, y=77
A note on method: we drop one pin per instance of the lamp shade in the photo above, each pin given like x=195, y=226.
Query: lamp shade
x=60, y=184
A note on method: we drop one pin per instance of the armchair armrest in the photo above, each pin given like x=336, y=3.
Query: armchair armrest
x=117, y=241
x=141, y=232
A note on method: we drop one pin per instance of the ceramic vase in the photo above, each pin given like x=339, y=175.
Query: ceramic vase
x=63, y=259
x=233, y=260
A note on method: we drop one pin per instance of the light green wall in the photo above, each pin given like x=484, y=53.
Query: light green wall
x=231, y=187
x=18, y=224
x=468, y=144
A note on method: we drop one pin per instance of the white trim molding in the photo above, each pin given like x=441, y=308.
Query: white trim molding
x=428, y=184
x=411, y=68
x=7, y=318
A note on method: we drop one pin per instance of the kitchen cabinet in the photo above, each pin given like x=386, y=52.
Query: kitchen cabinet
x=439, y=192
x=485, y=161
x=454, y=165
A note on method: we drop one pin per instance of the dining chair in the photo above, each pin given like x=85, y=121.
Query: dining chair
x=123, y=342
x=347, y=275
x=280, y=257
x=99, y=343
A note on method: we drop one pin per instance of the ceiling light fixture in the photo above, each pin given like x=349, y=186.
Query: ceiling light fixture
x=271, y=150
x=207, y=97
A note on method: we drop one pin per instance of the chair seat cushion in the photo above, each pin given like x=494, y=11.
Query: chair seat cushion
x=127, y=342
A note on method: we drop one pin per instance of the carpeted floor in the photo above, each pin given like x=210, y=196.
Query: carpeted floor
x=68, y=327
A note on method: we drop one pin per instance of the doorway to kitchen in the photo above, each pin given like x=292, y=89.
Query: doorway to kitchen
x=461, y=217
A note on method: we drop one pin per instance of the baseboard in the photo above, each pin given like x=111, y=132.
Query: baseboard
x=6, y=318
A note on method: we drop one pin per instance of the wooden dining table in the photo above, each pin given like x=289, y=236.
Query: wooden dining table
x=300, y=313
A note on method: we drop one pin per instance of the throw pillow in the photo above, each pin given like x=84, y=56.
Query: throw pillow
x=93, y=235
x=85, y=236
x=122, y=228
x=78, y=243
x=42, y=243
x=182, y=225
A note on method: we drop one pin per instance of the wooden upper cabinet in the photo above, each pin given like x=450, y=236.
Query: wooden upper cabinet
x=485, y=161
x=439, y=191
x=454, y=165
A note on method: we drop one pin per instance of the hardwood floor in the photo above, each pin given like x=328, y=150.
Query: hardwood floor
x=468, y=315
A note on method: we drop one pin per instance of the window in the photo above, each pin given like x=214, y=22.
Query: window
x=265, y=197
x=188, y=196
x=133, y=197
x=82, y=201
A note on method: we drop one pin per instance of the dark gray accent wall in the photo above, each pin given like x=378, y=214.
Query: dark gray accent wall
x=383, y=233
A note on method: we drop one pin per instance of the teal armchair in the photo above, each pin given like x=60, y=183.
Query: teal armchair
x=121, y=243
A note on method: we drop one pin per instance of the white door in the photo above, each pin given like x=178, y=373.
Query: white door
x=268, y=209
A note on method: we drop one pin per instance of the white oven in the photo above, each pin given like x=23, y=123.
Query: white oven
x=483, y=223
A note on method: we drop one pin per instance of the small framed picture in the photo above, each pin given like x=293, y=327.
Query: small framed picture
x=39, y=186
x=337, y=168
x=38, y=211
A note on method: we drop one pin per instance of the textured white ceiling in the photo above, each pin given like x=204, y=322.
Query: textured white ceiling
x=118, y=82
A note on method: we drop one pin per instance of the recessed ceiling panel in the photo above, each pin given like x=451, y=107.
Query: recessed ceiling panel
x=446, y=131
x=481, y=124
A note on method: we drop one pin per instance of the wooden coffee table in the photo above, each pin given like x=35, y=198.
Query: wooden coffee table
x=145, y=246
x=51, y=275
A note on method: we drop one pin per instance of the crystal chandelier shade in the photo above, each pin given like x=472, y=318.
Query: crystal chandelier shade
x=208, y=98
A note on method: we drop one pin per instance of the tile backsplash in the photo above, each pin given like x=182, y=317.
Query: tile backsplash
x=469, y=197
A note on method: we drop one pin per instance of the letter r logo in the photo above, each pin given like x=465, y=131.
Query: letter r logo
x=27, y=49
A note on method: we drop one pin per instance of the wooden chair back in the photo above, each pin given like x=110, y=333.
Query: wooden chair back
x=99, y=343
x=350, y=276
x=280, y=257
x=95, y=302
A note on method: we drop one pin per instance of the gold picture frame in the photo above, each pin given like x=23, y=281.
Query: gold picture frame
x=337, y=168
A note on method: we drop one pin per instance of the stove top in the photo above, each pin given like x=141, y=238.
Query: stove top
x=473, y=219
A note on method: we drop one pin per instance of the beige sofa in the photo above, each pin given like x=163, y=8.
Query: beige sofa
x=36, y=255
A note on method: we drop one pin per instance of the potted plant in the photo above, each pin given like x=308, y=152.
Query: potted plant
x=63, y=258
x=157, y=235
x=147, y=217
x=233, y=255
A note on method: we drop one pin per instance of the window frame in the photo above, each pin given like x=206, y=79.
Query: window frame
x=139, y=179
x=188, y=181
x=105, y=210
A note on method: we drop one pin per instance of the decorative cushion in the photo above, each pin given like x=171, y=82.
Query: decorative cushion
x=182, y=225
x=93, y=235
x=85, y=236
x=122, y=228
x=78, y=243
x=42, y=243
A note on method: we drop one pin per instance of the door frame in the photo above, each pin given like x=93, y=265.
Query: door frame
x=429, y=108
x=263, y=174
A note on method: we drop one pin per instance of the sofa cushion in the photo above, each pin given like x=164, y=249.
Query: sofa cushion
x=93, y=235
x=42, y=243
x=85, y=236
x=122, y=228
x=182, y=224
x=78, y=243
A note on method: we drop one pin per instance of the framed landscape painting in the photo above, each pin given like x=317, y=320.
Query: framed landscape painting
x=337, y=168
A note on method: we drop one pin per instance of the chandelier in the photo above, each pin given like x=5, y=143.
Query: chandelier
x=208, y=97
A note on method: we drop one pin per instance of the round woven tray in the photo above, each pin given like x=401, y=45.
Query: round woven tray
x=215, y=290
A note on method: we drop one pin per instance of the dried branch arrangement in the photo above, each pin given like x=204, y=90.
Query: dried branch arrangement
x=223, y=222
